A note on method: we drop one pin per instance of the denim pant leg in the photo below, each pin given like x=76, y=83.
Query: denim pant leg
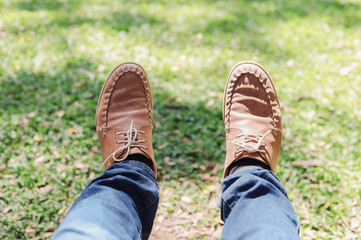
x=120, y=204
x=255, y=205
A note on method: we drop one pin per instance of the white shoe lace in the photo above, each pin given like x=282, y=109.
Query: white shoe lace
x=249, y=142
x=130, y=140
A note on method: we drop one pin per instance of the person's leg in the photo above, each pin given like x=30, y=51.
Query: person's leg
x=255, y=205
x=120, y=204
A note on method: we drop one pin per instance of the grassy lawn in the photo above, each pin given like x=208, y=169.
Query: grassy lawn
x=55, y=56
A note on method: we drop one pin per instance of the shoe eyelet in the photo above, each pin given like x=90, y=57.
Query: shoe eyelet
x=104, y=131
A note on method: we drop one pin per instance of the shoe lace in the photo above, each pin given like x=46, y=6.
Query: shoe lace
x=249, y=142
x=130, y=140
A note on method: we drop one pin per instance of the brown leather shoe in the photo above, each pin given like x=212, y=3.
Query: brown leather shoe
x=252, y=116
x=124, y=115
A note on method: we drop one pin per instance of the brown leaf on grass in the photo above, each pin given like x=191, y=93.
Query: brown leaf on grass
x=84, y=167
x=195, y=165
x=209, y=189
x=7, y=209
x=29, y=230
x=210, y=103
x=173, y=106
x=3, y=33
x=207, y=178
x=60, y=168
x=168, y=162
x=307, y=163
x=60, y=113
x=215, y=94
x=186, y=139
x=39, y=160
x=80, y=84
x=46, y=189
x=326, y=205
x=74, y=131
x=62, y=210
x=181, y=160
x=2, y=213
x=94, y=150
x=164, y=145
x=3, y=168
x=101, y=68
x=38, y=138
x=214, y=167
x=31, y=114
x=48, y=234
x=24, y=122
x=202, y=168
x=355, y=223
x=179, y=222
x=290, y=62
x=9, y=176
x=186, y=199
x=347, y=225
x=51, y=124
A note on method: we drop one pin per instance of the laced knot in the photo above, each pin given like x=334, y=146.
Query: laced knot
x=249, y=142
x=130, y=140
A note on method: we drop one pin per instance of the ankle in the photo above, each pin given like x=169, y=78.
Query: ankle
x=247, y=162
x=140, y=158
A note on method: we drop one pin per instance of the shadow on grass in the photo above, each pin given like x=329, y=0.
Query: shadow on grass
x=190, y=132
x=185, y=133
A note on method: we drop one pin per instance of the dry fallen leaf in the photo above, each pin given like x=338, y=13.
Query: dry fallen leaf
x=3, y=168
x=2, y=213
x=48, y=234
x=31, y=114
x=101, y=68
x=60, y=113
x=94, y=150
x=46, y=189
x=37, y=138
x=355, y=223
x=186, y=139
x=215, y=94
x=39, y=159
x=210, y=103
x=80, y=84
x=164, y=145
x=209, y=189
x=307, y=163
x=168, y=162
x=186, y=199
x=84, y=167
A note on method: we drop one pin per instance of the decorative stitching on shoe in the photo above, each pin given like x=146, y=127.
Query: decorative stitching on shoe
x=230, y=89
x=137, y=70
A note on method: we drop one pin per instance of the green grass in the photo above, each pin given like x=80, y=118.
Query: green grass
x=55, y=56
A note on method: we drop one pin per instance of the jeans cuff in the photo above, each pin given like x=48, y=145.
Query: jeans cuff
x=138, y=164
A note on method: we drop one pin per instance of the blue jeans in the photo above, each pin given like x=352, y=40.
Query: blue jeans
x=122, y=203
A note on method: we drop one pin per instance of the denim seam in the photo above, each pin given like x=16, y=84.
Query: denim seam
x=143, y=166
x=156, y=199
x=225, y=201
